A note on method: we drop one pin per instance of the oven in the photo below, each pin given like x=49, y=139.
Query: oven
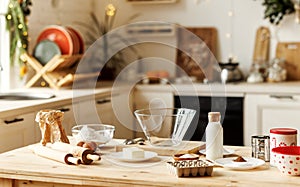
x=232, y=119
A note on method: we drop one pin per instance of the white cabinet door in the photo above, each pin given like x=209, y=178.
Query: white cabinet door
x=101, y=110
x=263, y=112
x=104, y=110
x=93, y=111
x=17, y=131
x=122, y=110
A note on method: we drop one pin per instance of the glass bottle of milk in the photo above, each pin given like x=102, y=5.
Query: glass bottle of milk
x=214, y=136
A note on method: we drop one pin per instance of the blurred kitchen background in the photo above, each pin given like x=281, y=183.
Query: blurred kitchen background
x=236, y=23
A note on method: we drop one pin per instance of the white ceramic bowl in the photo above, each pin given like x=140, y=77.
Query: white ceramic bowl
x=287, y=159
x=98, y=133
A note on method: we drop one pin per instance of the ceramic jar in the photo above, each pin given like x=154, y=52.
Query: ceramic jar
x=281, y=137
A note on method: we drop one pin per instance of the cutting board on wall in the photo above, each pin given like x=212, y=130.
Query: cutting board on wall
x=290, y=51
x=262, y=45
x=187, y=41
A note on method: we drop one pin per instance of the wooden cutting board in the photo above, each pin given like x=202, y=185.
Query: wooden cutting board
x=290, y=51
x=202, y=50
x=184, y=147
x=262, y=45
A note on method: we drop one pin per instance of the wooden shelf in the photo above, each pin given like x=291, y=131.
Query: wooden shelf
x=58, y=72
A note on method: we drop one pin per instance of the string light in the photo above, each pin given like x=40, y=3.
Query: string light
x=19, y=44
x=20, y=26
x=8, y=17
x=230, y=14
x=110, y=10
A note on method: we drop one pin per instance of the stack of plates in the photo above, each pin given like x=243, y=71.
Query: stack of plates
x=57, y=40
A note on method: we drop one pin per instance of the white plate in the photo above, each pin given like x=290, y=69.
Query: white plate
x=250, y=164
x=119, y=156
x=225, y=151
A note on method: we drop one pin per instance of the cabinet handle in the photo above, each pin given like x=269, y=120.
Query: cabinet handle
x=64, y=109
x=282, y=97
x=102, y=101
x=13, y=121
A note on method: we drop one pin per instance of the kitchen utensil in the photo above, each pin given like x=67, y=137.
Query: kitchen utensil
x=287, y=159
x=165, y=126
x=60, y=36
x=75, y=41
x=250, y=163
x=184, y=148
x=289, y=51
x=98, y=133
x=262, y=45
x=255, y=75
x=55, y=155
x=204, y=51
x=261, y=147
x=280, y=137
x=86, y=156
x=139, y=141
x=230, y=72
x=45, y=50
x=79, y=37
x=277, y=71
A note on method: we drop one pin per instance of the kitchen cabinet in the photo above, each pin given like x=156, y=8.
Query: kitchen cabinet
x=27, y=183
x=266, y=111
x=123, y=117
x=69, y=119
x=93, y=111
x=101, y=110
x=17, y=131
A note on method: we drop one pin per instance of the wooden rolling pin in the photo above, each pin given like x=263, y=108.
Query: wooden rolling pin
x=59, y=156
x=86, y=156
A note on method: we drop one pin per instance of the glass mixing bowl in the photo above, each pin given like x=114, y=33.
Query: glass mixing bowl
x=165, y=126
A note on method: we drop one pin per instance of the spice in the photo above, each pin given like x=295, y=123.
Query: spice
x=240, y=159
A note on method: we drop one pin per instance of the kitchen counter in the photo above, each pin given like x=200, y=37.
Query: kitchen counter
x=22, y=168
x=67, y=96
x=62, y=97
x=230, y=89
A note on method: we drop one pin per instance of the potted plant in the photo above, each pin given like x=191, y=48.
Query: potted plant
x=100, y=29
x=17, y=27
x=275, y=10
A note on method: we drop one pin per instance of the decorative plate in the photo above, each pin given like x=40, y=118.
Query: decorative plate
x=60, y=36
x=45, y=50
x=230, y=164
x=80, y=39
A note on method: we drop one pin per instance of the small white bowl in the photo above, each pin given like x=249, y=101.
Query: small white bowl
x=98, y=133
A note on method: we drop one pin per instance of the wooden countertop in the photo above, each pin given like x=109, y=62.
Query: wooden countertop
x=21, y=167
